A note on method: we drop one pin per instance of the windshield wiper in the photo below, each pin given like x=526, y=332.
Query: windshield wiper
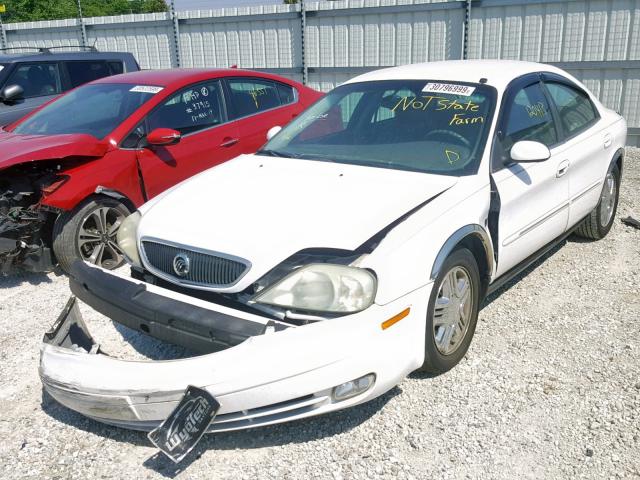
x=275, y=153
x=301, y=156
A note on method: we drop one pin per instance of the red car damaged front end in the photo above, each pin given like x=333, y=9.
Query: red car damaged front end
x=32, y=168
x=71, y=171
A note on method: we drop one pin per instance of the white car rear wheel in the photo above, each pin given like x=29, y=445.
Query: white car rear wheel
x=597, y=225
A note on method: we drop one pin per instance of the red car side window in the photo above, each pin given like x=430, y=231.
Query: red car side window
x=191, y=109
x=249, y=96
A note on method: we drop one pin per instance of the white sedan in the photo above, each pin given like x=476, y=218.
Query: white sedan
x=356, y=247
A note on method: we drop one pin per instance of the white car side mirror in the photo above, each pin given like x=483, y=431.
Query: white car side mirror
x=273, y=131
x=527, y=151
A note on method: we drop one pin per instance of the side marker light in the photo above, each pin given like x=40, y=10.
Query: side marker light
x=396, y=318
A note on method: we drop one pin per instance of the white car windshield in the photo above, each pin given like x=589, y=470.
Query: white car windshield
x=417, y=125
x=93, y=109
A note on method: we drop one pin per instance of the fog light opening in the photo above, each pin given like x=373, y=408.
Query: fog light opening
x=353, y=387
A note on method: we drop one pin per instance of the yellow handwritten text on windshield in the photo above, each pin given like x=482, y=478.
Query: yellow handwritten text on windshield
x=436, y=103
x=462, y=119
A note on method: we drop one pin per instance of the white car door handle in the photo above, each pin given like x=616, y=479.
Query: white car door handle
x=607, y=140
x=562, y=168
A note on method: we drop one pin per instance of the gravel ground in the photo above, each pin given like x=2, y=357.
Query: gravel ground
x=550, y=388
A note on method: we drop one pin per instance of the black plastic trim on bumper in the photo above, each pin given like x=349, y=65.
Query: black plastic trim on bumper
x=69, y=330
x=170, y=320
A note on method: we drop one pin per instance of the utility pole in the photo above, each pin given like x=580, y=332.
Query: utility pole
x=83, y=30
x=467, y=26
x=303, y=25
x=176, y=32
x=3, y=34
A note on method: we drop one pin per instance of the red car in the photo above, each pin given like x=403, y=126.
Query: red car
x=71, y=171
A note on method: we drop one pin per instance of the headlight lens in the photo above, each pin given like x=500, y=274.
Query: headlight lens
x=127, y=238
x=323, y=287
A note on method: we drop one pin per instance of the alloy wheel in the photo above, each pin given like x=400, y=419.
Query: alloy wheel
x=607, y=199
x=97, y=237
x=452, y=310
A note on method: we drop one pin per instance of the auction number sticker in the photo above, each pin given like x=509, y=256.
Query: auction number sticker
x=1, y=68
x=147, y=89
x=450, y=88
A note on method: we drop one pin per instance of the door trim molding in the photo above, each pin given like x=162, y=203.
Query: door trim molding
x=585, y=191
x=535, y=224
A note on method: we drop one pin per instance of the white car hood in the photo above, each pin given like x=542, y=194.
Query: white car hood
x=265, y=209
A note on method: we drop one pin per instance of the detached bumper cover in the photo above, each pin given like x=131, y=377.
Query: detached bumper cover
x=177, y=322
x=270, y=378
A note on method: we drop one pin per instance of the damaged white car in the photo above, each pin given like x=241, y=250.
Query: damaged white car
x=353, y=249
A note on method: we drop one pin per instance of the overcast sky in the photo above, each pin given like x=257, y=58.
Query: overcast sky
x=207, y=4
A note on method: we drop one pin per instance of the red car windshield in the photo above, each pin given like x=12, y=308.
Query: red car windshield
x=93, y=109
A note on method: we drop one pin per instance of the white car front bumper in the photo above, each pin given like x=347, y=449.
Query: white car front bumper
x=267, y=379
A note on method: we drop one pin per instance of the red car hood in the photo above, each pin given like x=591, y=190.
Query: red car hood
x=16, y=149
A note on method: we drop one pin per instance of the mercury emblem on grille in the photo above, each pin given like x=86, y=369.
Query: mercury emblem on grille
x=181, y=264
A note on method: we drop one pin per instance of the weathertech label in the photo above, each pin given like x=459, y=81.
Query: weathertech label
x=182, y=430
x=450, y=88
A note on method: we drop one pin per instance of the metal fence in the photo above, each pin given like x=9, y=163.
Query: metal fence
x=325, y=43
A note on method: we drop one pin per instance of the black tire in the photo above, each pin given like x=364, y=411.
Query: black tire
x=592, y=227
x=436, y=362
x=67, y=229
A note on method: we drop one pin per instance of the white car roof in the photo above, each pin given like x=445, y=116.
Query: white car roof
x=497, y=72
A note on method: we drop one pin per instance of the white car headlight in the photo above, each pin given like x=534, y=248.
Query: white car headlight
x=127, y=238
x=323, y=287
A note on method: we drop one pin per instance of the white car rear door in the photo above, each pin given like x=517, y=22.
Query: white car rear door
x=587, y=145
x=532, y=198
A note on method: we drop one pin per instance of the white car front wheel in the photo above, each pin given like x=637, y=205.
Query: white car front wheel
x=452, y=313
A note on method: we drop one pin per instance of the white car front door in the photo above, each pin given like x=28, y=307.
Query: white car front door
x=533, y=197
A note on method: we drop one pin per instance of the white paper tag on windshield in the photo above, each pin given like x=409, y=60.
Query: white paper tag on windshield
x=1, y=67
x=146, y=89
x=450, y=88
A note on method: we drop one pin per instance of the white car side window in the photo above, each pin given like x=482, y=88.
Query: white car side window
x=529, y=118
x=574, y=107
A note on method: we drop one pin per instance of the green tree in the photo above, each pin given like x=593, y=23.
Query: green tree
x=33, y=10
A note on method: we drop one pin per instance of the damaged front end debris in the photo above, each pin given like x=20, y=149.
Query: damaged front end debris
x=248, y=370
x=25, y=224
